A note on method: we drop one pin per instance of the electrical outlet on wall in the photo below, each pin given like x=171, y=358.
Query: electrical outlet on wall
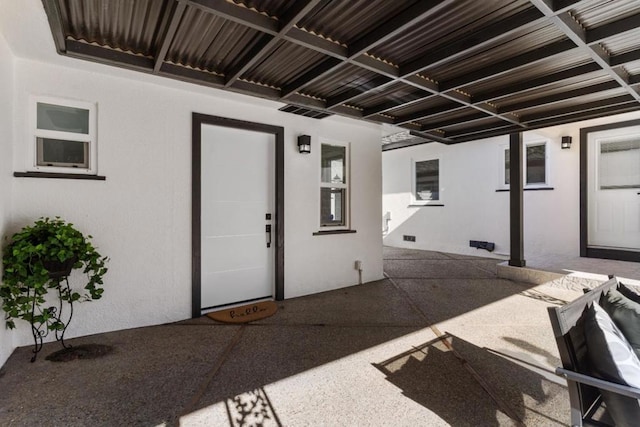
x=358, y=265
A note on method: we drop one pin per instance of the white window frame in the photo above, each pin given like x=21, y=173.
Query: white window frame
x=34, y=133
x=547, y=169
x=346, y=186
x=414, y=199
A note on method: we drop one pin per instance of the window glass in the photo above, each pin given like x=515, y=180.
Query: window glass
x=427, y=181
x=332, y=205
x=619, y=164
x=62, y=118
x=507, y=167
x=334, y=188
x=333, y=164
x=536, y=166
x=56, y=152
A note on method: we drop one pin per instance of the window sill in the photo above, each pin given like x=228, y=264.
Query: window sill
x=426, y=205
x=327, y=232
x=506, y=190
x=58, y=175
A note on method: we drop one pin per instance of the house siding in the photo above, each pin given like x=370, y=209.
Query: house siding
x=474, y=210
x=140, y=215
x=6, y=115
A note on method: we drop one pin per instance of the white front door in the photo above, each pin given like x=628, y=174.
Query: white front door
x=237, y=206
x=614, y=188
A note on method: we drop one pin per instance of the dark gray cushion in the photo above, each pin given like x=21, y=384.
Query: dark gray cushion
x=625, y=314
x=627, y=292
x=612, y=358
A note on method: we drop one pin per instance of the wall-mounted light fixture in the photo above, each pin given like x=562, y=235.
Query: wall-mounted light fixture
x=304, y=144
x=566, y=142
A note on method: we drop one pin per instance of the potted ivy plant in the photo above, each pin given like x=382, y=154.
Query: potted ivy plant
x=39, y=259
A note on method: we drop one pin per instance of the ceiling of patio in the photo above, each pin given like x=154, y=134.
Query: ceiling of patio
x=449, y=71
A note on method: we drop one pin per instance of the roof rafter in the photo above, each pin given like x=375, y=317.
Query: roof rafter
x=171, y=19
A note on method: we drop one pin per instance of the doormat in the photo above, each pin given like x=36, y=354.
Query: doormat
x=245, y=313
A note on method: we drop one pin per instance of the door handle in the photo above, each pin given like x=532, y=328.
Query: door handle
x=268, y=231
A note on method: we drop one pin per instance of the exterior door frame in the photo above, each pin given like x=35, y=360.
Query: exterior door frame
x=196, y=203
x=585, y=250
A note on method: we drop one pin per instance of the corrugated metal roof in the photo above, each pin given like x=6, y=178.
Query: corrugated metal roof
x=455, y=20
x=521, y=42
x=462, y=65
x=552, y=65
x=346, y=20
x=428, y=104
x=595, y=13
x=346, y=77
x=282, y=64
x=122, y=24
x=209, y=42
x=400, y=92
x=572, y=102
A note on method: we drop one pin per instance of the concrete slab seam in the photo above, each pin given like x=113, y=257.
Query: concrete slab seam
x=216, y=367
x=504, y=407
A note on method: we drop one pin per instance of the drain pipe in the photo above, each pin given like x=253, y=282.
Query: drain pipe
x=358, y=267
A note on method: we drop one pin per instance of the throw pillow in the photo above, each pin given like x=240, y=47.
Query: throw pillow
x=629, y=293
x=612, y=358
x=626, y=315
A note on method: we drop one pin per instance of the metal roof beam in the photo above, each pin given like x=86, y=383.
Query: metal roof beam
x=54, y=16
x=580, y=37
x=171, y=19
x=109, y=56
x=240, y=15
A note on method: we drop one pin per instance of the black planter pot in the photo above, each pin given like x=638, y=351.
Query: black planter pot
x=58, y=269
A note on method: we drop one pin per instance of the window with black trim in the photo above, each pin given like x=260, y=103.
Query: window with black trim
x=62, y=136
x=334, y=186
x=426, y=182
x=536, y=165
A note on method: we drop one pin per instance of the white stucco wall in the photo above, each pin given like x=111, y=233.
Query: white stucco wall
x=473, y=210
x=6, y=114
x=141, y=215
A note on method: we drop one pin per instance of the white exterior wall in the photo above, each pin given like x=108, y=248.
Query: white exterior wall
x=473, y=210
x=6, y=114
x=141, y=215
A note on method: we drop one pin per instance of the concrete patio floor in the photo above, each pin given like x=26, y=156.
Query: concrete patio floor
x=441, y=341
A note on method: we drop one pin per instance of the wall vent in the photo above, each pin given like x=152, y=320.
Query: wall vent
x=409, y=238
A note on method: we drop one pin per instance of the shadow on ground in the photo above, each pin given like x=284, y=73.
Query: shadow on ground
x=157, y=374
